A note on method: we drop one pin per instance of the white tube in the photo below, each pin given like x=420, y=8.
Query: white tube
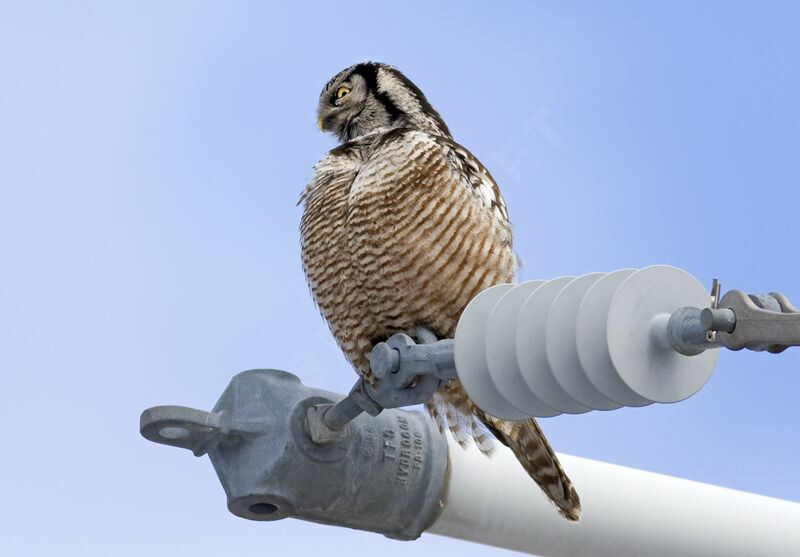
x=626, y=512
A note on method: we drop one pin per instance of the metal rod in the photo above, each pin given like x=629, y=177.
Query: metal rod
x=342, y=413
x=718, y=319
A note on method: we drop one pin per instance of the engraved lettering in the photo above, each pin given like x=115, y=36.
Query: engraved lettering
x=388, y=448
x=367, y=446
x=418, y=440
x=404, y=464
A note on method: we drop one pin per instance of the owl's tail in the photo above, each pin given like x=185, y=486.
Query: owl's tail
x=529, y=445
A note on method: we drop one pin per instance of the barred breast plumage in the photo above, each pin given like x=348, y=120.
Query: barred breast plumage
x=402, y=227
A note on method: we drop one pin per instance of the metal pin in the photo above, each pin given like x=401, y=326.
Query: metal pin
x=715, y=289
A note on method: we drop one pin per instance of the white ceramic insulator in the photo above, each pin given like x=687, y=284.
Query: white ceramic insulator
x=530, y=340
x=591, y=338
x=574, y=344
x=470, y=355
x=501, y=357
x=561, y=345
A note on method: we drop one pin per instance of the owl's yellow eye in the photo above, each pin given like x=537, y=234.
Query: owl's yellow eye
x=341, y=92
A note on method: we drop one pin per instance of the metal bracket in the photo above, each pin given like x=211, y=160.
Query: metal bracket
x=258, y=441
x=192, y=429
x=737, y=320
x=403, y=372
x=759, y=322
x=409, y=373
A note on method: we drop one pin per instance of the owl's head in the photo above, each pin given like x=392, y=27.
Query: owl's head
x=369, y=96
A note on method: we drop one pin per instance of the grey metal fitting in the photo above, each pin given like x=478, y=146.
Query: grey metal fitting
x=256, y=437
x=754, y=321
x=687, y=333
x=324, y=426
x=763, y=322
x=712, y=319
x=327, y=420
x=404, y=373
x=409, y=373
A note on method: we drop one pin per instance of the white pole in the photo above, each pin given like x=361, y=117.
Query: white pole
x=626, y=512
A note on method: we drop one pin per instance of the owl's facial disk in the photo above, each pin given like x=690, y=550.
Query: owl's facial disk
x=349, y=108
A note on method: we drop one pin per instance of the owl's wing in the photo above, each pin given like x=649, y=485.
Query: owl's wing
x=482, y=183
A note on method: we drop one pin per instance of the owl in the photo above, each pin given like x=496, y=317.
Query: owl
x=401, y=228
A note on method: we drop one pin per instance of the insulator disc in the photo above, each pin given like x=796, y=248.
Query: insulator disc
x=501, y=356
x=562, y=350
x=531, y=352
x=592, y=341
x=637, y=339
x=470, y=355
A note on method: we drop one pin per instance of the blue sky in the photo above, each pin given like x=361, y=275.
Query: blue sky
x=151, y=156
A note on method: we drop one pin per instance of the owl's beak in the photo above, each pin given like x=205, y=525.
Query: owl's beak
x=319, y=123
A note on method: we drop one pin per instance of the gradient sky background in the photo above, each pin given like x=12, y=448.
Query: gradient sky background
x=151, y=155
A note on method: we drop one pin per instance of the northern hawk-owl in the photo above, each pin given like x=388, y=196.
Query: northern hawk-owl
x=401, y=228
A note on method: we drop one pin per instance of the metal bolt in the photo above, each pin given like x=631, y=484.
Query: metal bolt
x=718, y=319
x=384, y=360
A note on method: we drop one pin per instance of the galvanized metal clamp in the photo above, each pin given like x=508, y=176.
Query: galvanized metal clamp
x=404, y=373
x=757, y=322
x=257, y=438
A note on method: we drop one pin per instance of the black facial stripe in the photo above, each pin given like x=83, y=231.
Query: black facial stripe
x=423, y=102
x=369, y=71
